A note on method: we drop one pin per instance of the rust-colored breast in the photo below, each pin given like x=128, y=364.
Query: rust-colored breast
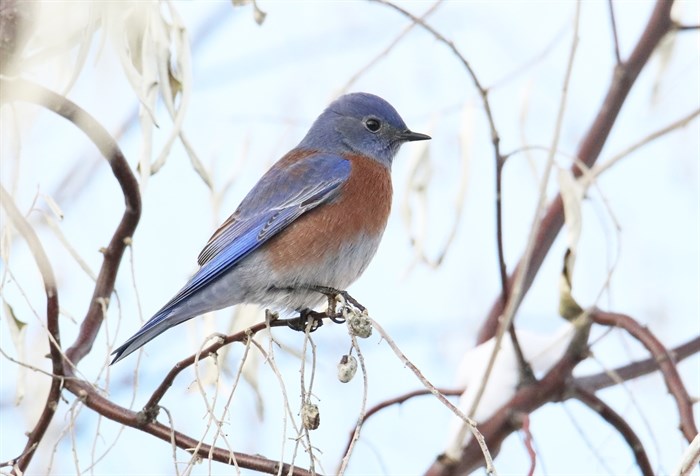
x=361, y=208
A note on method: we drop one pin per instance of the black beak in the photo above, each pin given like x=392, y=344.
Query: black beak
x=410, y=136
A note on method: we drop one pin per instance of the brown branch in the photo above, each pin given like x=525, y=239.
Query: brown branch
x=527, y=441
x=679, y=27
x=495, y=137
x=623, y=79
x=150, y=409
x=399, y=400
x=499, y=159
x=26, y=91
x=106, y=408
x=591, y=383
x=618, y=422
x=550, y=388
x=47, y=275
x=613, y=27
x=672, y=378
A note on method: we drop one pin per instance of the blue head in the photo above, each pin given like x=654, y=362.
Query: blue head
x=360, y=123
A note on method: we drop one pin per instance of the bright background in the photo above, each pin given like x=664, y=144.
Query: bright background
x=255, y=91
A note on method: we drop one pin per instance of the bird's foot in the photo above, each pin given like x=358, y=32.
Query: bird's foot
x=307, y=319
x=333, y=294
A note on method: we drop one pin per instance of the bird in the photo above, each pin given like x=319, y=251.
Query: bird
x=313, y=221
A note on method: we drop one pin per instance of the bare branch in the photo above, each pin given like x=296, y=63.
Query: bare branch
x=22, y=90
x=47, y=275
x=618, y=422
x=241, y=336
x=550, y=388
x=690, y=459
x=677, y=124
x=591, y=383
x=672, y=378
x=478, y=436
x=93, y=400
x=613, y=27
x=622, y=81
x=448, y=392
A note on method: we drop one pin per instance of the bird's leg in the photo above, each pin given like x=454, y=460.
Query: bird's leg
x=332, y=292
x=305, y=316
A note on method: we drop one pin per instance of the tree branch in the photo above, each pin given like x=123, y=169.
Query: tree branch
x=618, y=422
x=47, y=276
x=673, y=380
x=106, y=408
x=23, y=90
x=623, y=79
x=550, y=388
x=448, y=392
x=591, y=383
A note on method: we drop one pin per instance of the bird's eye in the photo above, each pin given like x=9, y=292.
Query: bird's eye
x=373, y=125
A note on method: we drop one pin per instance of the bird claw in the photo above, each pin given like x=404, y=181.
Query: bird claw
x=306, y=318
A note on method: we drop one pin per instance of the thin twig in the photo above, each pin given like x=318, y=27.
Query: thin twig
x=550, y=388
x=677, y=124
x=490, y=469
x=613, y=27
x=353, y=79
x=18, y=89
x=58, y=369
x=240, y=336
x=518, y=290
x=618, y=422
x=633, y=370
x=448, y=392
x=93, y=400
x=588, y=152
x=672, y=378
x=690, y=459
x=362, y=417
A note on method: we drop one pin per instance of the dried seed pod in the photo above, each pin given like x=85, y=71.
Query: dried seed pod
x=310, y=416
x=347, y=368
x=359, y=324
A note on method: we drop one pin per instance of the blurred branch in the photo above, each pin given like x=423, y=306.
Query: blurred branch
x=484, y=452
x=552, y=387
x=677, y=124
x=613, y=27
x=527, y=441
x=526, y=372
x=618, y=422
x=519, y=288
x=448, y=392
x=42, y=260
x=623, y=78
x=690, y=459
x=23, y=90
x=353, y=79
x=495, y=137
x=672, y=378
x=631, y=371
x=679, y=27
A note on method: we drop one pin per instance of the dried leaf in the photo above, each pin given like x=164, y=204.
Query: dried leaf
x=572, y=192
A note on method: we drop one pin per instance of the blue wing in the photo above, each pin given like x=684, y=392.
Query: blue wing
x=297, y=183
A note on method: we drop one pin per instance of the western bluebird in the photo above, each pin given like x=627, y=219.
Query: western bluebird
x=314, y=220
